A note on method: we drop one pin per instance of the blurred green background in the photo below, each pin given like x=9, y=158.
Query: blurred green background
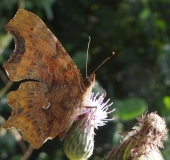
x=136, y=78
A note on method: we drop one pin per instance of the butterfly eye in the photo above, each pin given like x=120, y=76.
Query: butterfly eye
x=89, y=81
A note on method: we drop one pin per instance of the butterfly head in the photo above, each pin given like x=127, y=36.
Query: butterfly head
x=89, y=84
x=90, y=81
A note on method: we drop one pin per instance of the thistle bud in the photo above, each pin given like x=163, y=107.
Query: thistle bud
x=79, y=143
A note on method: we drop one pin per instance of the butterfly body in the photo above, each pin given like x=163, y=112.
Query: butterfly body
x=54, y=93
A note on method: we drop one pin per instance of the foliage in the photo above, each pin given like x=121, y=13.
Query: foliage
x=137, y=78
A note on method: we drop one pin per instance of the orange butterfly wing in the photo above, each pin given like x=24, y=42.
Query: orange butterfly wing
x=54, y=93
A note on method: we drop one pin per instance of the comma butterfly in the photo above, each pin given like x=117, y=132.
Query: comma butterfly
x=54, y=92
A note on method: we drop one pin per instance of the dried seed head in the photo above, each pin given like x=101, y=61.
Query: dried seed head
x=148, y=134
x=154, y=127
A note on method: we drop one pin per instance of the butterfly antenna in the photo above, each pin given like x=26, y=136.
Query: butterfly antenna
x=87, y=54
x=103, y=62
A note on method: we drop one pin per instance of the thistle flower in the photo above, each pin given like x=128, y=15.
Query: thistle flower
x=79, y=143
x=143, y=141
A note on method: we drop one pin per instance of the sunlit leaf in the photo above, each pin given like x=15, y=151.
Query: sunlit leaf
x=166, y=101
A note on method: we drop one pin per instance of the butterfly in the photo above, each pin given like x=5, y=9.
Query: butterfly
x=53, y=93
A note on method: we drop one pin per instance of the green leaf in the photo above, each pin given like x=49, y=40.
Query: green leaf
x=144, y=14
x=166, y=101
x=5, y=40
x=161, y=24
x=80, y=59
x=130, y=108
